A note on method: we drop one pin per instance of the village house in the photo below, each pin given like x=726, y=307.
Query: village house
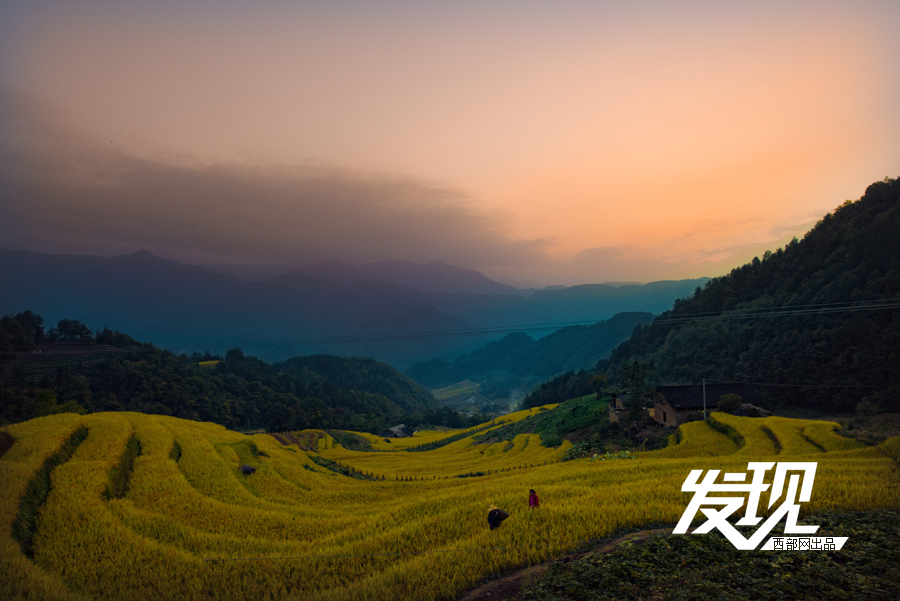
x=678, y=402
x=401, y=431
x=617, y=407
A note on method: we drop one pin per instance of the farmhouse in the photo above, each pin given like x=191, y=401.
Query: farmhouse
x=678, y=402
x=617, y=407
x=401, y=431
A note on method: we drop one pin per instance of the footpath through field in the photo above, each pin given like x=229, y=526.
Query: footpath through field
x=510, y=586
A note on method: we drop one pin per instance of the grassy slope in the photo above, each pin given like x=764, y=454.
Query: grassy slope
x=576, y=419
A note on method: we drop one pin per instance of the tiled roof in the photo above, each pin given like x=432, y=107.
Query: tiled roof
x=691, y=397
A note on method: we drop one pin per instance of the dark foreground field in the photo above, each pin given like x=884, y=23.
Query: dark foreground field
x=663, y=566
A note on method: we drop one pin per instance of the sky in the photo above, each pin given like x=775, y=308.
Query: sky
x=540, y=143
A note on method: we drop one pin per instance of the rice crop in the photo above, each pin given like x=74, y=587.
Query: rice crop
x=191, y=525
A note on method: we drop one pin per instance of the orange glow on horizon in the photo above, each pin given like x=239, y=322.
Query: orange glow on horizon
x=680, y=136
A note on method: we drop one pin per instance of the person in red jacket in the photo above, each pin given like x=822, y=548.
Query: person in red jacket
x=533, y=500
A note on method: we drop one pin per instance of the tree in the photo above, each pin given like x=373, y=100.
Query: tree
x=45, y=403
x=599, y=383
x=71, y=330
x=279, y=418
x=22, y=332
x=33, y=324
x=115, y=338
x=633, y=377
x=729, y=402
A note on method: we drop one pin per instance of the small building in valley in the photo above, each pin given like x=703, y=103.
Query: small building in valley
x=401, y=431
x=617, y=407
x=678, y=402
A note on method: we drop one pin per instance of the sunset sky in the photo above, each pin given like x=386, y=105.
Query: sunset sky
x=539, y=142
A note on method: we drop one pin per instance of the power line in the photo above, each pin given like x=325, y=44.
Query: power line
x=788, y=311
x=769, y=312
x=783, y=311
x=807, y=385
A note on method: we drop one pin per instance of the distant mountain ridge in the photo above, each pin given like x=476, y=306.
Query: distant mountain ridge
x=436, y=276
x=517, y=360
x=188, y=308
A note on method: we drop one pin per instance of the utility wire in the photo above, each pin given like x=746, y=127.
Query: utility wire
x=782, y=311
x=770, y=312
x=785, y=311
x=805, y=385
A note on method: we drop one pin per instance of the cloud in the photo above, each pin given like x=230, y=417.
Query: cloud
x=624, y=263
x=798, y=224
x=62, y=193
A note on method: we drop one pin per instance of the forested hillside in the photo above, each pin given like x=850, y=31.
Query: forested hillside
x=69, y=369
x=817, y=321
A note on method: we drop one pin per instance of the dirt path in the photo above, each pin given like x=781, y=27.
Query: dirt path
x=509, y=587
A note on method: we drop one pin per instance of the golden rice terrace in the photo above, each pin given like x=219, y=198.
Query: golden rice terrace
x=133, y=506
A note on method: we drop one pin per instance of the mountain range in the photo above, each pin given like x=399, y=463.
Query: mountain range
x=188, y=308
x=436, y=276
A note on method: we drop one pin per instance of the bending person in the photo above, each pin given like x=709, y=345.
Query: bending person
x=496, y=517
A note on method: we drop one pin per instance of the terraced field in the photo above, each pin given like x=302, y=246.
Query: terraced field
x=181, y=521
